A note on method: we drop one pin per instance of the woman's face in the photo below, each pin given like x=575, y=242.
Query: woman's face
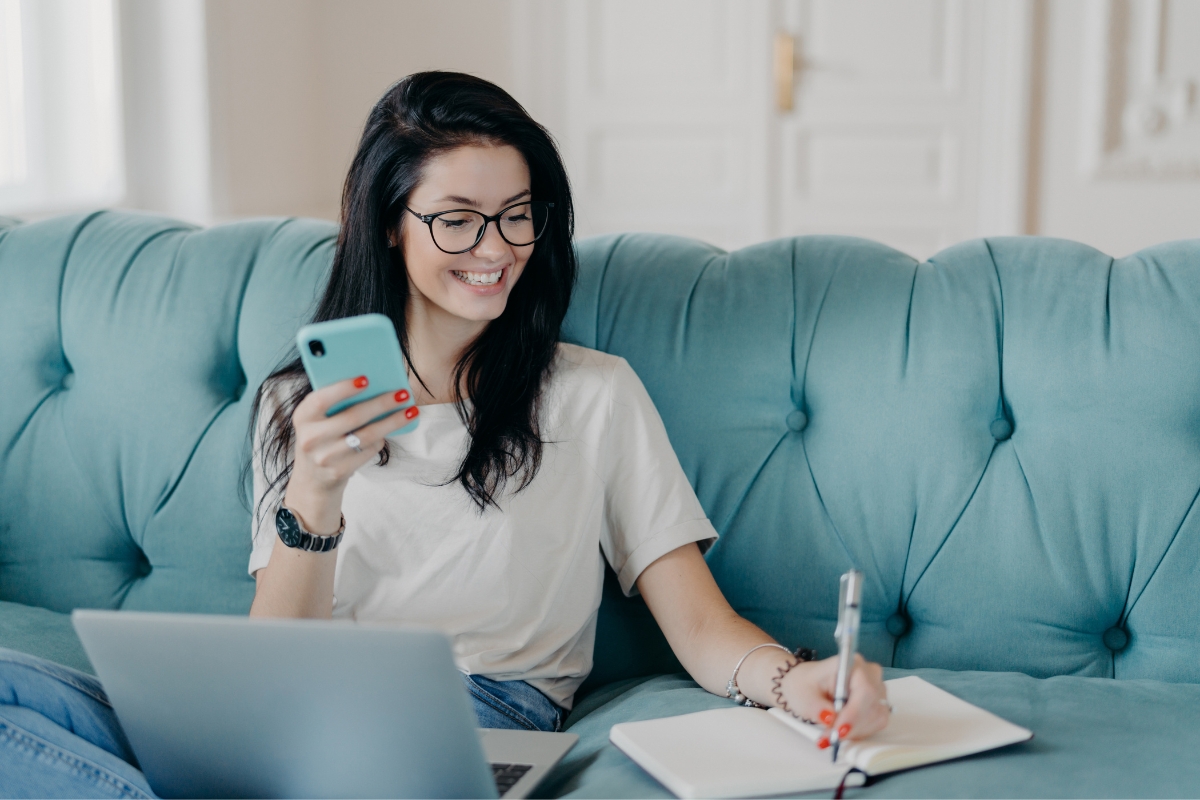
x=474, y=285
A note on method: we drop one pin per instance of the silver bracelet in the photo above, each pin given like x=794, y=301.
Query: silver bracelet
x=731, y=689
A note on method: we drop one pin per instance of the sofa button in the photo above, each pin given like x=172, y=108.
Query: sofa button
x=1001, y=429
x=797, y=420
x=68, y=380
x=898, y=624
x=1116, y=639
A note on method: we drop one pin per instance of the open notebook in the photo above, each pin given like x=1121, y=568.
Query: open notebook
x=748, y=752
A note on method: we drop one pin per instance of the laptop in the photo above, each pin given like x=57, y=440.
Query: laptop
x=222, y=706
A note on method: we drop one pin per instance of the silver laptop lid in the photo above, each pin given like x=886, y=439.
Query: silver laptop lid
x=218, y=706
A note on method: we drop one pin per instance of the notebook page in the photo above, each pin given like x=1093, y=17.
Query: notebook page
x=936, y=726
x=727, y=752
x=928, y=725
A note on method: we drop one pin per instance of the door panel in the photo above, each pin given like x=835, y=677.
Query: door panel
x=667, y=117
x=671, y=121
x=884, y=135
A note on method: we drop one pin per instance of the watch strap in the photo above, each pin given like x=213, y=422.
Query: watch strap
x=292, y=533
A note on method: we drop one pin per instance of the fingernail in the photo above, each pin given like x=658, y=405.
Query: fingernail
x=402, y=395
x=823, y=742
x=409, y=413
x=844, y=731
x=827, y=717
x=360, y=382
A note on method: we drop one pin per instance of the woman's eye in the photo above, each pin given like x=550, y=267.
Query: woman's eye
x=517, y=218
x=452, y=224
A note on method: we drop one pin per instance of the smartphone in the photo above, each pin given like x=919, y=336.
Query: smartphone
x=346, y=348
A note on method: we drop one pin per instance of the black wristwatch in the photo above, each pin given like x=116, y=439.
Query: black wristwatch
x=293, y=535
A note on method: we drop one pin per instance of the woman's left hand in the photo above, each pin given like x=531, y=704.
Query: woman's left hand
x=808, y=694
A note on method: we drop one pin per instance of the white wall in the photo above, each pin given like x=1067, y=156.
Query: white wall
x=292, y=82
x=239, y=108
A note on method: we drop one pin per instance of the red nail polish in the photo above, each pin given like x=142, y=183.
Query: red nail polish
x=823, y=742
x=360, y=382
x=827, y=717
x=409, y=413
x=844, y=731
x=402, y=395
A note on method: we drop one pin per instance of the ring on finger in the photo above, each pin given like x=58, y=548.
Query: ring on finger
x=353, y=442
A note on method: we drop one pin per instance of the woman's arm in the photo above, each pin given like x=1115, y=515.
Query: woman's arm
x=709, y=638
x=299, y=583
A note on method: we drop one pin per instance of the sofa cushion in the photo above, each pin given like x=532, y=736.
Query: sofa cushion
x=44, y=633
x=1093, y=737
x=1005, y=438
x=132, y=348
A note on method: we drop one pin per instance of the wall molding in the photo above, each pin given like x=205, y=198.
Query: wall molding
x=1140, y=121
x=1006, y=133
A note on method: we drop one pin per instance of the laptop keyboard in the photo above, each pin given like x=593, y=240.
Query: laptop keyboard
x=507, y=775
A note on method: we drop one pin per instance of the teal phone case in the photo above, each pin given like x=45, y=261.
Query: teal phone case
x=347, y=348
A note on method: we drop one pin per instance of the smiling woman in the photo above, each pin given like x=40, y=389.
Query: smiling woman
x=465, y=264
x=449, y=150
x=533, y=459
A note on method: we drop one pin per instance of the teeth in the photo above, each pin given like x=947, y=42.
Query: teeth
x=479, y=278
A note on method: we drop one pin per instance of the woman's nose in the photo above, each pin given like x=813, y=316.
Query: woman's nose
x=492, y=245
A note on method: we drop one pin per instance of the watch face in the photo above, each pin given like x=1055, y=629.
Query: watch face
x=288, y=527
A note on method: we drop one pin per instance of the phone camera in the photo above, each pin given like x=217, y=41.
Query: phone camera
x=316, y=348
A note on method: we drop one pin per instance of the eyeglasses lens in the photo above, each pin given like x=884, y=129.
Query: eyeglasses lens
x=456, y=231
x=520, y=225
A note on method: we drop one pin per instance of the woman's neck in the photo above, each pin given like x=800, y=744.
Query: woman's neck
x=436, y=341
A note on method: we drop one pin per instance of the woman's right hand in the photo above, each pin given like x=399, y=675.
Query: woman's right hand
x=324, y=461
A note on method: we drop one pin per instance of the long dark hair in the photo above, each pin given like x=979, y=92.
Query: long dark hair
x=503, y=370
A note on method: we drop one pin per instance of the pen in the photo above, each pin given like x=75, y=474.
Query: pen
x=849, y=615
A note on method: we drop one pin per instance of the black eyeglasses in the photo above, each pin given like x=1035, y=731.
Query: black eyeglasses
x=460, y=229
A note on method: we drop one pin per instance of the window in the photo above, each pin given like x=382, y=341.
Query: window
x=60, y=120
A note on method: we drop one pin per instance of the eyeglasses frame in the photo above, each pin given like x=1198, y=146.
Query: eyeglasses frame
x=429, y=218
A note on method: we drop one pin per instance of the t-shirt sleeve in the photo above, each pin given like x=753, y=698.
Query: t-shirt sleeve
x=650, y=507
x=266, y=497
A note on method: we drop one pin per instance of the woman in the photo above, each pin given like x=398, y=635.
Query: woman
x=532, y=457
x=489, y=520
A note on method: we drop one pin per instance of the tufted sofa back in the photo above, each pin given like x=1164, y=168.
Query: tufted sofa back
x=1006, y=438
x=130, y=348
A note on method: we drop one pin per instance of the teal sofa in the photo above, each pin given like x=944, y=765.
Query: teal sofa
x=1005, y=438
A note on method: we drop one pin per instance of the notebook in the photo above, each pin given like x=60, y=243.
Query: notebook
x=749, y=752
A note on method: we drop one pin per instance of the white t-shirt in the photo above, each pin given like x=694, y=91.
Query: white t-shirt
x=516, y=588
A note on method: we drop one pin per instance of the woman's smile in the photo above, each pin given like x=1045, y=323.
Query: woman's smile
x=485, y=282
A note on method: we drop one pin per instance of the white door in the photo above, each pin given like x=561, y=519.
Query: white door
x=890, y=137
x=667, y=117
x=674, y=122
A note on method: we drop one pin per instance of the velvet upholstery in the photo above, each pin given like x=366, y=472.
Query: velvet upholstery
x=129, y=344
x=1005, y=438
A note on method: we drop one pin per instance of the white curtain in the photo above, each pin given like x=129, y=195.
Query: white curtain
x=60, y=106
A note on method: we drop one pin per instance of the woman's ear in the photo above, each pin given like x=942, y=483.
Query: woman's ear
x=394, y=237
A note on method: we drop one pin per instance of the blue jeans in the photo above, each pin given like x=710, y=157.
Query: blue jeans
x=59, y=736
x=512, y=704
